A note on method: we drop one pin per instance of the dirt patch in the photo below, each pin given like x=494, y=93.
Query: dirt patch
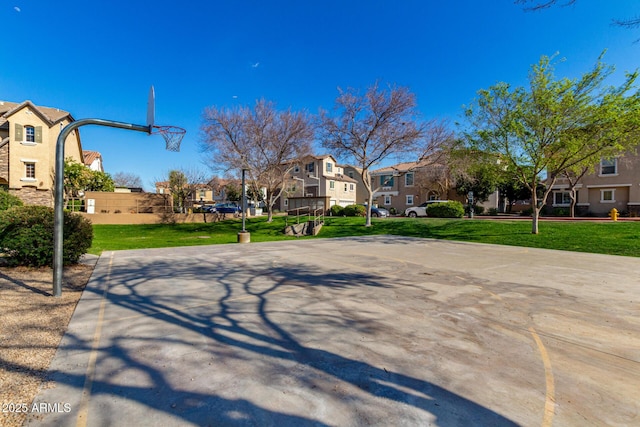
x=32, y=323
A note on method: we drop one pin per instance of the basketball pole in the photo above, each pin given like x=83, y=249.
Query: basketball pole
x=58, y=207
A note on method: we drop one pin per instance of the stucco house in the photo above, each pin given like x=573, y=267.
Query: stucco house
x=28, y=136
x=403, y=185
x=93, y=160
x=615, y=183
x=320, y=182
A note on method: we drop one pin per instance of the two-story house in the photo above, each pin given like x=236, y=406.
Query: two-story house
x=403, y=185
x=320, y=182
x=615, y=183
x=28, y=136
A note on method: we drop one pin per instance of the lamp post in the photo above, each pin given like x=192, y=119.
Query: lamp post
x=204, y=213
x=244, y=236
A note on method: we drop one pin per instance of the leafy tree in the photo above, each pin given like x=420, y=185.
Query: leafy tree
x=183, y=185
x=476, y=171
x=100, y=181
x=261, y=140
x=78, y=177
x=512, y=189
x=543, y=130
x=369, y=128
x=233, y=191
x=535, y=5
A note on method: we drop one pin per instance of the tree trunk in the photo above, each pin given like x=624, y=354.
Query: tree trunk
x=572, y=206
x=535, y=214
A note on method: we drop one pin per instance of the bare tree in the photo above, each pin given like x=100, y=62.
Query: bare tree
x=367, y=129
x=127, y=179
x=263, y=141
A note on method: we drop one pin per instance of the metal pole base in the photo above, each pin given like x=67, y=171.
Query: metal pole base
x=244, y=237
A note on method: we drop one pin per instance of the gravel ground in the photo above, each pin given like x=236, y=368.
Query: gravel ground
x=32, y=323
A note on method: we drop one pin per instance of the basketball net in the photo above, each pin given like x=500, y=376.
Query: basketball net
x=172, y=136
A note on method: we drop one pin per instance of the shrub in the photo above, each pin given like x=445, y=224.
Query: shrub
x=478, y=210
x=560, y=212
x=26, y=236
x=493, y=211
x=450, y=209
x=393, y=211
x=355, y=210
x=8, y=200
x=336, y=210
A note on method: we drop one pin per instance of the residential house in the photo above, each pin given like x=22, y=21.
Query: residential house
x=194, y=193
x=320, y=182
x=403, y=185
x=615, y=183
x=93, y=160
x=28, y=136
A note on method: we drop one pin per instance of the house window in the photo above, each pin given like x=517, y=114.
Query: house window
x=345, y=186
x=310, y=167
x=608, y=167
x=387, y=200
x=296, y=169
x=433, y=197
x=202, y=194
x=30, y=134
x=329, y=167
x=30, y=170
x=561, y=198
x=350, y=174
x=607, y=196
x=408, y=180
x=386, y=180
x=286, y=202
x=350, y=187
x=332, y=184
x=410, y=199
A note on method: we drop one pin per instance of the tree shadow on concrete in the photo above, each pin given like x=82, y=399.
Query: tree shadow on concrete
x=232, y=321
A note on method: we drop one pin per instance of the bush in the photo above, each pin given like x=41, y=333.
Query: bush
x=446, y=210
x=8, y=200
x=478, y=210
x=354, y=210
x=493, y=212
x=26, y=236
x=560, y=212
x=336, y=210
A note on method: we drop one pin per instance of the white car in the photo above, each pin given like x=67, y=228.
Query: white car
x=421, y=210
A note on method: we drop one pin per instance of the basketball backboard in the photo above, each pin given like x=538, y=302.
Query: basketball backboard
x=151, y=108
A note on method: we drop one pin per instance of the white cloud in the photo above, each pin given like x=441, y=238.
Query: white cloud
x=16, y=8
x=256, y=65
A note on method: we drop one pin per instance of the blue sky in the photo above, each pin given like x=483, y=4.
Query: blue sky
x=98, y=59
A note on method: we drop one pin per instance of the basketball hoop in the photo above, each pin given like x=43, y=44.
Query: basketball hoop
x=172, y=136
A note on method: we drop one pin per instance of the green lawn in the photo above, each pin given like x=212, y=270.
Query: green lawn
x=614, y=238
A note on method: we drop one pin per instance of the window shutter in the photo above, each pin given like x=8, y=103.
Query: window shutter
x=38, y=132
x=18, y=134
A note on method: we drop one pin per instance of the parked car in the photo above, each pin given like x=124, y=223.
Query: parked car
x=421, y=210
x=226, y=208
x=210, y=209
x=378, y=212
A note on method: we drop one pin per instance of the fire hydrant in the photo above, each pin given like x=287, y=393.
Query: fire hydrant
x=613, y=213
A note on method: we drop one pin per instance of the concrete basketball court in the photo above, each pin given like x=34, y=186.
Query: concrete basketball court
x=380, y=330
